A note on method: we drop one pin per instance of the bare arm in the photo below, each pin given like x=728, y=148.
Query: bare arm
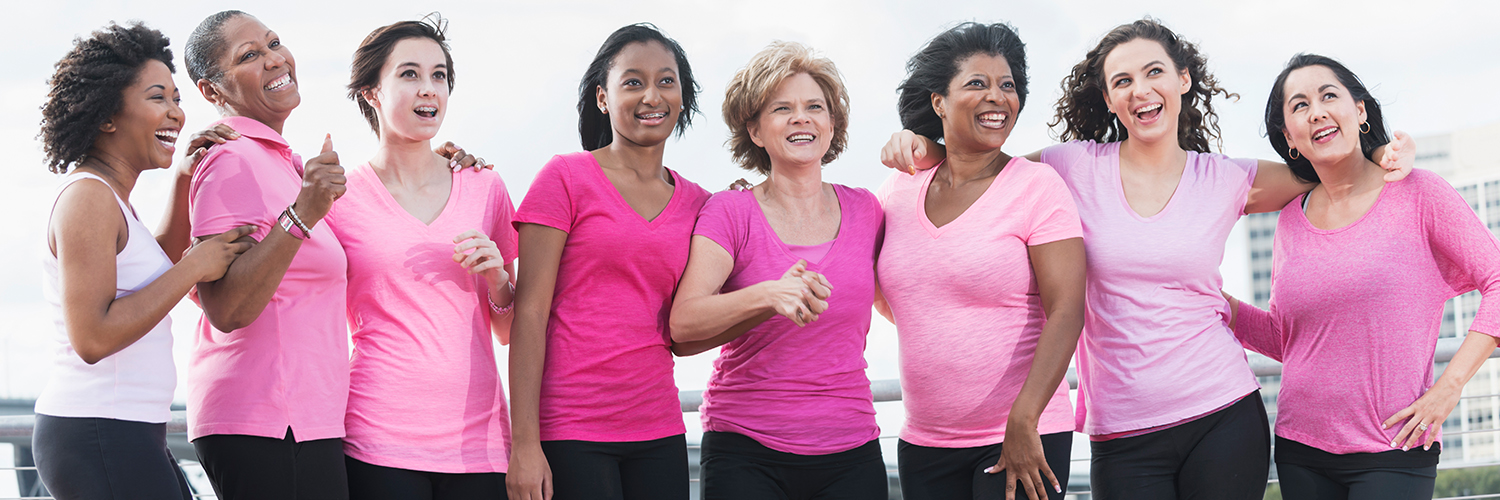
x=500, y=323
x=908, y=152
x=541, y=247
x=1275, y=185
x=700, y=313
x=882, y=306
x=1059, y=268
x=85, y=233
x=174, y=233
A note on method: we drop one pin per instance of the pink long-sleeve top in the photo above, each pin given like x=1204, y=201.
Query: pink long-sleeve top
x=1355, y=311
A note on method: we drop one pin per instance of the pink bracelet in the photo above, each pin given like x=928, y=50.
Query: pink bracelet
x=508, y=307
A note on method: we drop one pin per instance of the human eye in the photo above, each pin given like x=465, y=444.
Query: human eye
x=976, y=83
x=248, y=56
x=275, y=43
x=1008, y=85
x=668, y=81
x=1298, y=105
x=440, y=75
x=408, y=74
x=632, y=82
x=1122, y=82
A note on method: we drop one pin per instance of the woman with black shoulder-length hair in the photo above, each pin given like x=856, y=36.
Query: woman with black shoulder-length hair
x=111, y=114
x=1358, y=413
x=604, y=237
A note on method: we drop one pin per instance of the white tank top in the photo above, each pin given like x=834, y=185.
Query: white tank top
x=134, y=384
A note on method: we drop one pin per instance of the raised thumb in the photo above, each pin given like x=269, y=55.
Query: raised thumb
x=327, y=143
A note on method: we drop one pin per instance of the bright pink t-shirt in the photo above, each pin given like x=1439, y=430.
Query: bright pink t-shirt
x=290, y=367
x=796, y=390
x=965, y=301
x=1156, y=346
x=424, y=392
x=1355, y=311
x=608, y=371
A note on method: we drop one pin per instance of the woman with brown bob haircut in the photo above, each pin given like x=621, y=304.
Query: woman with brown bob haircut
x=788, y=411
x=1157, y=207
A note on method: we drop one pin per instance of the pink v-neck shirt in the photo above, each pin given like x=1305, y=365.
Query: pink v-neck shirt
x=289, y=367
x=608, y=371
x=424, y=391
x=796, y=390
x=1156, y=346
x=966, y=302
x=1355, y=311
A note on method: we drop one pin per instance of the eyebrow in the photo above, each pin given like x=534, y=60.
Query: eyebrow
x=415, y=65
x=1325, y=86
x=1146, y=66
x=157, y=86
x=252, y=42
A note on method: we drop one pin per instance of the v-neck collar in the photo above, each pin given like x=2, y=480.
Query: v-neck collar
x=619, y=198
x=786, y=249
x=1119, y=186
x=926, y=183
x=368, y=172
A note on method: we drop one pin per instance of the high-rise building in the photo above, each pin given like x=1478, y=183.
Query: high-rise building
x=1466, y=160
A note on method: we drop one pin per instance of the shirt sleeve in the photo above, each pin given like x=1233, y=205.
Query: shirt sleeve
x=1258, y=330
x=721, y=222
x=549, y=201
x=1062, y=157
x=1245, y=173
x=1467, y=254
x=1054, y=216
x=228, y=192
x=503, y=232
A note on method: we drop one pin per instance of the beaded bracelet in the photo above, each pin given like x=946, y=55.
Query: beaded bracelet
x=508, y=307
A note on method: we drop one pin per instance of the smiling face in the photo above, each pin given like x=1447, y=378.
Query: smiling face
x=1322, y=118
x=980, y=109
x=642, y=95
x=1144, y=89
x=144, y=131
x=260, y=75
x=412, y=96
x=794, y=127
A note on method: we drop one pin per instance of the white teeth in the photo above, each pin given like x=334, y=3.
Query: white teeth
x=800, y=137
x=1325, y=133
x=167, y=136
x=1148, y=108
x=993, y=117
x=427, y=111
x=279, y=82
x=652, y=116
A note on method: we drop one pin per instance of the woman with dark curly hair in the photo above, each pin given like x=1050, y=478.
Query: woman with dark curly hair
x=101, y=420
x=1157, y=208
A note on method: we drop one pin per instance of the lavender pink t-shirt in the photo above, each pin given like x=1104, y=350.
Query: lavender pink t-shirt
x=424, y=391
x=965, y=300
x=796, y=390
x=290, y=367
x=608, y=372
x=1355, y=311
x=1156, y=346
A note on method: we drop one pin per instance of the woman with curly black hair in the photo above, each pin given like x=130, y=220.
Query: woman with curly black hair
x=1157, y=208
x=101, y=421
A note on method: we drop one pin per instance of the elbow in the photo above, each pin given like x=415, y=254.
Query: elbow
x=89, y=353
x=227, y=322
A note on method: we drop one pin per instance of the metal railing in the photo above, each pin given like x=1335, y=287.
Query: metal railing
x=13, y=427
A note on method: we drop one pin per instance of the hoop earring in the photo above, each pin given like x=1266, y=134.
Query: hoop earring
x=1364, y=128
x=1293, y=154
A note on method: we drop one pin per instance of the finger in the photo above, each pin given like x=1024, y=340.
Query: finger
x=446, y=149
x=1399, y=416
x=477, y=257
x=1416, y=433
x=241, y=247
x=1010, y=486
x=796, y=269
x=453, y=161
x=1432, y=435
x=487, y=265
x=1033, y=484
x=239, y=232
x=327, y=144
x=998, y=467
x=473, y=243
x=1046, y=470
x=1406, y=431
x=472, y=233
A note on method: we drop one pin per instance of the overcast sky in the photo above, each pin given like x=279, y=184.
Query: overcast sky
x=517, y=67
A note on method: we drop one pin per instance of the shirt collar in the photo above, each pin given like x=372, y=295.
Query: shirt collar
x=250, y=127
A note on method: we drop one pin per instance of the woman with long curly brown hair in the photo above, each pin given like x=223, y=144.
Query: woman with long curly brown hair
x=1165, y=392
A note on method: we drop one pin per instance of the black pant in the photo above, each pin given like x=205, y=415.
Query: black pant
x=1389, y=483
x=259, y=468
x=91, y=458
x=1224, y=455
x=636, y=470
x=736, y=467
x=376, y=482
x=929, y=473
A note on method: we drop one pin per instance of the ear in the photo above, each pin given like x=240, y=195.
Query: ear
x=369, y=95
x=108, y=126
x=1360, y=105
x=210, y=92
x=937, y=104
x=599, y=98
x=754, y=128
x=1288, y=138
x=1186, y=81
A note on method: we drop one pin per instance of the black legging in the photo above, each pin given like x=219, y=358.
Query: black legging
x=377, y=482
x=637, y=470
x=1224, y=455
x=929, y=473
x=89, y=458
x=255, y=468
x=736, y=467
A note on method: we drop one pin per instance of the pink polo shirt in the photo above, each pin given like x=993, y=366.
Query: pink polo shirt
x=290, y=367
x=608, y=372
x=965, y=300
x=796, y=389
x=1156, y=347
x=424, y=391
x=1355, y=310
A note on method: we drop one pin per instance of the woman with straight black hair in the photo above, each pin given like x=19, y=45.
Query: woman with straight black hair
x=982, y=271
x=1357, y=340
x=604, y=238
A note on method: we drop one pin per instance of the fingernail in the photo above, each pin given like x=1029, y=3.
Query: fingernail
x=1427, y=447
x=1393, y=444
x=990, y=470
x=1058, y=488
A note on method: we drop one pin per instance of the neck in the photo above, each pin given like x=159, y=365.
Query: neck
x=644, y=160
x=1158, y=156
x=273, y=122
x=968, y=165
x=1349, y=176
x=794, y=185
x=114, y=170
x=406, y=162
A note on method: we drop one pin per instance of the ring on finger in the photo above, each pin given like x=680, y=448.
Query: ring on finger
x=799, y=315
x=1422, y=427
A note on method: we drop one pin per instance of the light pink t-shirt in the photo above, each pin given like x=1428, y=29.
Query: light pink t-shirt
x=1156, y=346
x=1355, y=311
x=290, y=367
x=608, y=371
x=796, y=390
x=424, y=392
x=966, y=302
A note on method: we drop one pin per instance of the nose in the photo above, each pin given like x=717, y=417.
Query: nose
x=652, y=97
x=175, y=113
x=274, y=59
x=427, y=89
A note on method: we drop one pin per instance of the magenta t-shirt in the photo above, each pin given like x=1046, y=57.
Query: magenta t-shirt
x=608, y=372
x=965, y=300
x=1355, y=311
x=1156, y=346
x=796, y=390
x=290, y=367
x=424, y=391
